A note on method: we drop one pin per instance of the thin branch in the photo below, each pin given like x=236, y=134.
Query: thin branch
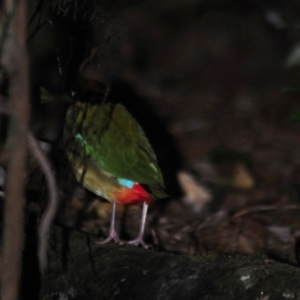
x=261, y=208
x=50, y=211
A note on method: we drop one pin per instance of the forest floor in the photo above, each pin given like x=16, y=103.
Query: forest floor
x=207, y=85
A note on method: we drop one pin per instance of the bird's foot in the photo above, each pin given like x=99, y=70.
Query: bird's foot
x=113, y=236
x=139, y=241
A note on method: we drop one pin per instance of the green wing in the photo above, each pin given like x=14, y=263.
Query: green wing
x=111, y=139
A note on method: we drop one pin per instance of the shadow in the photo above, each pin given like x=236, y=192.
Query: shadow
x=30, y=276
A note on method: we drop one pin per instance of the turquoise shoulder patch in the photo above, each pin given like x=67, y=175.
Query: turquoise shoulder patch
x=80, y=138
x=126, y=182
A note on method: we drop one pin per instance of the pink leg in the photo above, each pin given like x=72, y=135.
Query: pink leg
x=139, y=239
x=112, y=235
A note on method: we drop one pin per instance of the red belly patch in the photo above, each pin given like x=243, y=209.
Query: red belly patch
x=135, y=195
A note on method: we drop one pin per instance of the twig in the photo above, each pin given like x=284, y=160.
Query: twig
x=50, y=211
x=260, y=208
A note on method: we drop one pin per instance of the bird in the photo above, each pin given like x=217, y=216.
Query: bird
x=111, y=156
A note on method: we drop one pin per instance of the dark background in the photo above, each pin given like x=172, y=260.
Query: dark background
x=213, y=84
